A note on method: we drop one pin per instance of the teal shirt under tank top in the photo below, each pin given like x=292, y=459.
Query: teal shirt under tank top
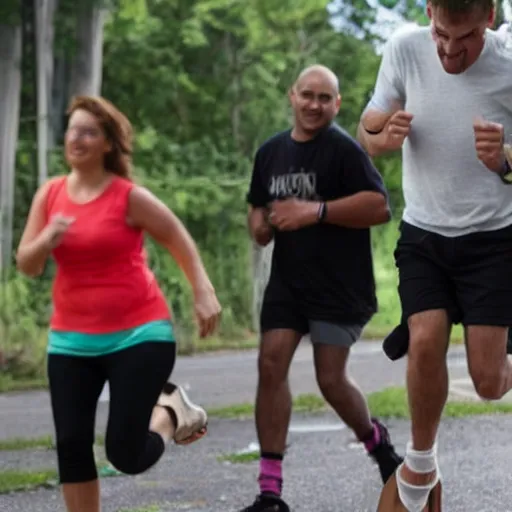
x=71, y=343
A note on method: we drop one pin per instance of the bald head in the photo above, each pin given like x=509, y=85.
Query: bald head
x=320, y=73
x=315, y=99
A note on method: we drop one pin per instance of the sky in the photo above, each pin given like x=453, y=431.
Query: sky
x=386, y=22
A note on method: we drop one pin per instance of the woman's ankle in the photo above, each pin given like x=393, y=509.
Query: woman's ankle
x=82, y=497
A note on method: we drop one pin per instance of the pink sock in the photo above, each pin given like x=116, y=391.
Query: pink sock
x=271, y=476
x=374, y=440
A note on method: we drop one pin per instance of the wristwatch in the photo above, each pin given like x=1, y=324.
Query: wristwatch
x=506, y=174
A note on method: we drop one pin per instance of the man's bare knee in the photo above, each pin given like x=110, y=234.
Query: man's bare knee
x=487, y=360
x=330, y=370
x=276, y=353
x=488, y=387
x=330, y=384
x=429, y=336
x=272, y=368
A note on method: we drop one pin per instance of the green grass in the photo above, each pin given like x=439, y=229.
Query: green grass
x=11, y=481
x=247, y=341
x=306, y=403
x=16, y=481
x=392, y=403
x=239, y=458
x=388, y=403
x=7, y=383
x=42, y=443
x=19, y=443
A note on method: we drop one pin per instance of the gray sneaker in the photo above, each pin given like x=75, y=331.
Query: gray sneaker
x=191, y=420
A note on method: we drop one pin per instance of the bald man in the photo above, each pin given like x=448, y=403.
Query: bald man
x=316, y=193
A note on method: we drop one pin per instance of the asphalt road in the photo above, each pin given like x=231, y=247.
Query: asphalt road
x=324, y=471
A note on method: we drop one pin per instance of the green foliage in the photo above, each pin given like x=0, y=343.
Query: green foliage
x=10, y=12
x=20, y=332
x=413, y=10
x=214, y=213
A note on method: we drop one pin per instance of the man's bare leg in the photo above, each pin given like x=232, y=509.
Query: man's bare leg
x=345, y=397
x=274, y=404
x=427, y=386
x=489, y=366
x=341, y=392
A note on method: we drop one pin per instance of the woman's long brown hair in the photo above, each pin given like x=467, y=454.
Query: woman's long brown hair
x=117, y=128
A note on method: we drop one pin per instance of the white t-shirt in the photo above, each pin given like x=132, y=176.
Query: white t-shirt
x=447, y=190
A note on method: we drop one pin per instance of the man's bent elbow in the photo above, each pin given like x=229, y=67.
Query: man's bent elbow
x=373, y=143
x=381, y=212
x=371, y=149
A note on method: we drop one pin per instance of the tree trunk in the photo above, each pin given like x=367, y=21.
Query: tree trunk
x=86, y=72
x=82, y=74
x=10, y=90
x=45, y=11
x=60, y=99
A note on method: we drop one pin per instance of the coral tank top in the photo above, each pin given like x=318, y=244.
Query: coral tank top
x=103, y=283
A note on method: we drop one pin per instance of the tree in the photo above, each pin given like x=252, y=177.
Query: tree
x=10, y=91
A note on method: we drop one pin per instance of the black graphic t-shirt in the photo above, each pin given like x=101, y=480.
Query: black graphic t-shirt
x=326, y=270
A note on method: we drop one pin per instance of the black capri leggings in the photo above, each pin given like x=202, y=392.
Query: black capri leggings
x=136, y=376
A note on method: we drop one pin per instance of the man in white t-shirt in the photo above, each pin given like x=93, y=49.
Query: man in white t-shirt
x=444, y=97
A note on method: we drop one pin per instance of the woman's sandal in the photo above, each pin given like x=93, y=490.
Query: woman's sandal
x=194, y=437
x=190, y=419
x=390, y=499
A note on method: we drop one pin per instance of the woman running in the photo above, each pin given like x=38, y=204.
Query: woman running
x=110, y=320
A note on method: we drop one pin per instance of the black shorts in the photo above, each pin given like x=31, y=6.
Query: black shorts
x=470, y=276
x=282, y=309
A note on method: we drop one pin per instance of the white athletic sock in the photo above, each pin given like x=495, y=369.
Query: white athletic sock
x=415, y=497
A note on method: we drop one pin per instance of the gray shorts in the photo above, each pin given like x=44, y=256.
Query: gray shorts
x=284, y=314
x=334, y=334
